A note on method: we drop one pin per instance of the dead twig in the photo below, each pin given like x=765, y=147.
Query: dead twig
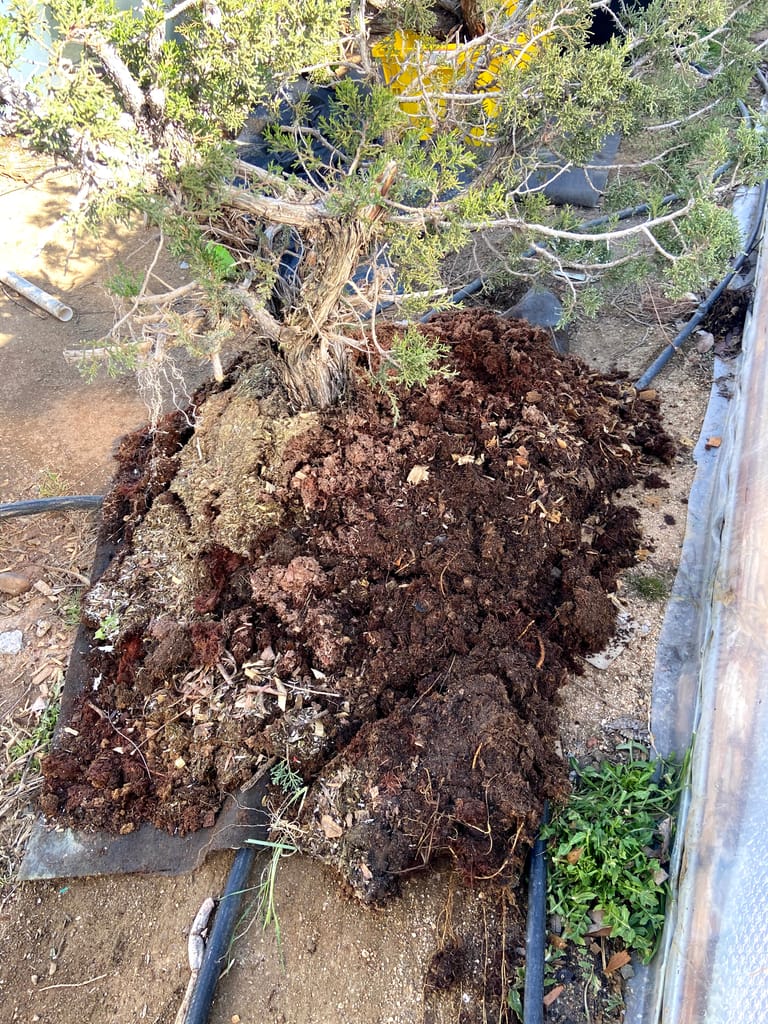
x=195, y=951
x=73, y=984
x=103, y=715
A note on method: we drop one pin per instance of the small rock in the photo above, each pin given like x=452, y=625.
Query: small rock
x=42, y=588
x=35, y=978
x=627, y=972
x=14, y=583
x=52, y=968
x=705, y=343
x=539, y=307
x=10, y=642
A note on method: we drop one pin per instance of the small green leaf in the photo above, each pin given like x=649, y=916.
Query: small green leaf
x=221, y=258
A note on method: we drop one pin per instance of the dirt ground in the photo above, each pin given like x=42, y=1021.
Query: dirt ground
x=115, y=949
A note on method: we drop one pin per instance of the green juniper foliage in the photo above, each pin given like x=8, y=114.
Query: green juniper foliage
x=290, y=781
x=416, y=358
x=124, y=282
x=412, y=361
x=147, y=106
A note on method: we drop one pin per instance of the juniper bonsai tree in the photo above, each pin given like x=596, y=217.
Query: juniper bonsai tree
x=425, y=149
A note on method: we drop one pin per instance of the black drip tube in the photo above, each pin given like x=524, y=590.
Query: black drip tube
x=62, y=504
x=536, y=931
x=221, y=936
x=706, y=305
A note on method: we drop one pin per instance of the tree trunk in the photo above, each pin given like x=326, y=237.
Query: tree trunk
x=317, y=366
x=474, y=17
x=316, y=362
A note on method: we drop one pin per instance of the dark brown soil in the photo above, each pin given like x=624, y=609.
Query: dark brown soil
x=725, y=321
x=392, y=615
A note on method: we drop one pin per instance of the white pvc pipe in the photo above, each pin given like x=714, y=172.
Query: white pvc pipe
x=40, y=298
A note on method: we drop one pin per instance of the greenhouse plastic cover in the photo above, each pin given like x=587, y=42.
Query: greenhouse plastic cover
x=711, y=672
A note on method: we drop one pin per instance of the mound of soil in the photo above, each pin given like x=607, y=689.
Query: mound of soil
x=385, y=610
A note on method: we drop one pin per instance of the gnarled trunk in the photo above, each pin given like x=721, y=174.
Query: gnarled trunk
x=315, y=357
x=317, y=367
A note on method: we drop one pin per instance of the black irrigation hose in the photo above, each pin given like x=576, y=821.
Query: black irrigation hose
x=536, y=931
x=457, y=297
x=67, y=503
x=706, y=305
x=221, y=935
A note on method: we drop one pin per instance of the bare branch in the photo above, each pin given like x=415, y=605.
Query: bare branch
x=433, y=216
x=266, y=177
x=685, y=120
x=163, y=297
x=722, y=28
x=658, y=246
x=179, y=9
x=361, y=37
x=264, y=321
x=78, y=355
x=115, y=67
x=584, y=236
x=279, y=211
x=564, y=263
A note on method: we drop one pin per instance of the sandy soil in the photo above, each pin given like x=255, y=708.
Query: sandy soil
x=103, y=950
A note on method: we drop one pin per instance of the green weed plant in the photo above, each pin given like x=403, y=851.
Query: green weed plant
x=648, y=586
x=36, y=745
x=606, y=847
x=264, y=907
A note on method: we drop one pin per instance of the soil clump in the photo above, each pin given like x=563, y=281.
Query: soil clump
x=387, y=611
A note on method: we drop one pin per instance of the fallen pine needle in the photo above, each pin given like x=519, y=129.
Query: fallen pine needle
x=72, y=984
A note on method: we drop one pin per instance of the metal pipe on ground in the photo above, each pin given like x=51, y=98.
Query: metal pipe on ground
x=36, y=295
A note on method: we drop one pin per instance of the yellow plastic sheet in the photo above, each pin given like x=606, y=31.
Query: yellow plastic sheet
x=433, y=77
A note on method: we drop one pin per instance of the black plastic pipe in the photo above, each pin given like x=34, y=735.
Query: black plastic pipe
x=457, y=297
x=706, y=305
x=536, y=930
x=221, y=935
x=61, y=504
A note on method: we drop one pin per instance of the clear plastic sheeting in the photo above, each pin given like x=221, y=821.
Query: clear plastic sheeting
x=712, y=679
